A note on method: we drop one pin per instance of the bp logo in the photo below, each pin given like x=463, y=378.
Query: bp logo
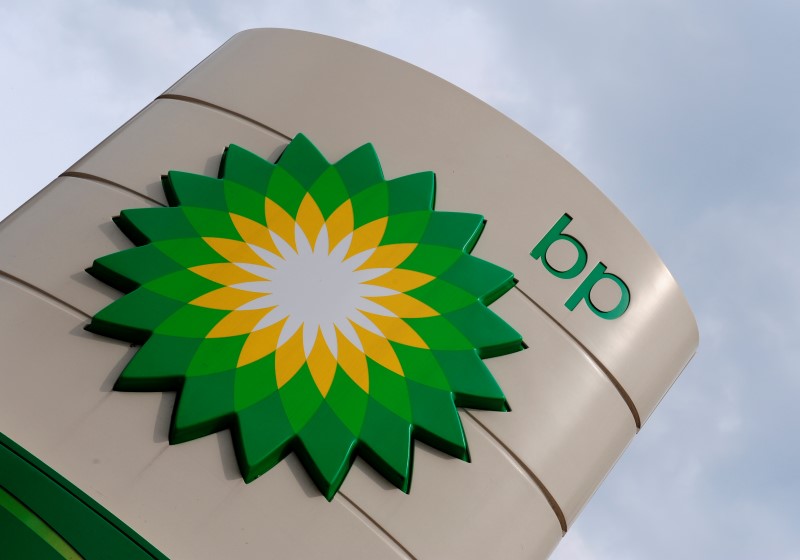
x=309, y=307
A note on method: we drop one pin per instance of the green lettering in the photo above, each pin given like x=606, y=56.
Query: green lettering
x=584, y=292
x=556, y=233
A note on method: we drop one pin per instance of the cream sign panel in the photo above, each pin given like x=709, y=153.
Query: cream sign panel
x=321, y=303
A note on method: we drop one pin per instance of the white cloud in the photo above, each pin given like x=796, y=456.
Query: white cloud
x=76, y=71
x=80, y=69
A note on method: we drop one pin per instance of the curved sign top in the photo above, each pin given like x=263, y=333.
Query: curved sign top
x=291, y=313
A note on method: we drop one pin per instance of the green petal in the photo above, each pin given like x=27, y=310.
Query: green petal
x=262, y=436
x=134, y=316
x=405, y=228
x=285, y=191
x=211, y=223
x=420, y=365
x=329, y=192
x=453, y=229
x=189, y=252
x=246, y=168
x=303, y=161
x=190, y=321
x=242, y=201
x=389, y=389
x=485, y=281
x=412, y=193
x=486, y=332
x=183, y=285
x=129, y=269
x=386, y=444
x=360, y=169
x=370, y=204
x=347, y=401
x=439, y=333
x=204, y=406
x=159, y=365
x=189, y=189
x=442, y=296
x=146, y=225
x=436, y=420
x=300, y=398
x=214, y=355
x=326, y=450
x=471, y=381
x=254, y=382
x=431, y=259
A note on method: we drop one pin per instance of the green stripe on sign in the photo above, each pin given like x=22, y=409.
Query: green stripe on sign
x=93, y=533
x=19, y=542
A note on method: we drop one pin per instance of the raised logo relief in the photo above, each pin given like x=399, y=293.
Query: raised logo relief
x=309, y=307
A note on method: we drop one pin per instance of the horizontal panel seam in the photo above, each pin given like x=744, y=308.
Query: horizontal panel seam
x=369, y=520
x=45, y=294
x=614, y=381
x=108, y=183
x=206, y=104
x=519, y=463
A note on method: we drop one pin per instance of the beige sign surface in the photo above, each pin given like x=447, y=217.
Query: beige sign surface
x=606, y=327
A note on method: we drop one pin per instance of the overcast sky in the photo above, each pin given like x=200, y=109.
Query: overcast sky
x=685, y=113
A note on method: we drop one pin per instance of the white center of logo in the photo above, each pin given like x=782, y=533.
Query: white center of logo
x=318, y=289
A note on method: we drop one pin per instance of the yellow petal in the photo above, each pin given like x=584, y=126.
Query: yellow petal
x=279, y=221
x=309, y=218
x=225, y=273
x=403, y=305
x=388, y=256
x=289, y=357
x=254, y=233
x=225, y=298
x=378, y=349
x=353, y=361
x=260, y=343
x=340, y=223
x=397, y=330
x=238, y=322
x=401, y=280
x=367, y=237
x=234, y=251
x=322, y=364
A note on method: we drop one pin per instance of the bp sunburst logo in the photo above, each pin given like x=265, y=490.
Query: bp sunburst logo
x=309, y=307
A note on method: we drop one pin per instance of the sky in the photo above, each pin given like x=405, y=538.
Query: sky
x=685, y=113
